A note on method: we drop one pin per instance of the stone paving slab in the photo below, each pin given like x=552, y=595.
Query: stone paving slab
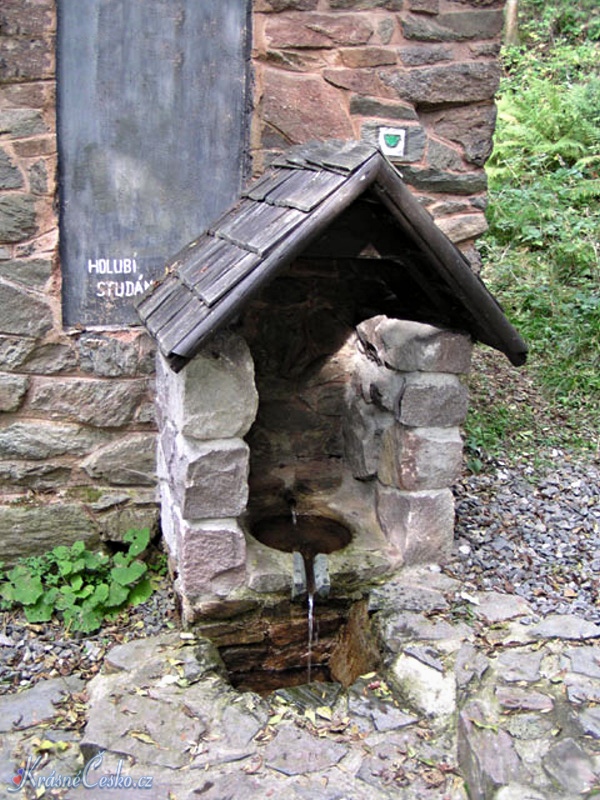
x=506, y=709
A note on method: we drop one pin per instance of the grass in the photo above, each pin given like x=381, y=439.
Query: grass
x=542, y=252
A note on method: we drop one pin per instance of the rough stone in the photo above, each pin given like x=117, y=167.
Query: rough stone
x=515, y=699
x=33, y=529
x=10, y=175
x=570, y=766
x=30, y=272
x=94, y=402
x=363, y=81
x=486, y=754
x=433, y=400
x=358, y=57
x=494, y=607
x=295, y=752
x=414, y=142
x=360, y=5
x=452, y=27
x=420, y=55
x=517, y=791
x=430, y=180
x=214, y=397
x=26, y=19
x=565, y=626
x=467, y=226
x=210, y=479
x=589, y=721
x=17, y=218
x=424, y=6
x=38, y=178
x=445, y=157
x=21, y=122
x=419, y=524
x=26, y=59
x=135, y=512
x=38, y=441
x=285, y=5
x=211, y=557
x=420, y=458
x=584, y=661
x=519, y=665
x=424, y=688
x=460, y=82
x=397, y=594
x=469, y=664
x=364, y=426
x=36, y=705
x=385, y=110
x=23, y=313
x=413, y=346
x=12, y=391
x=317, y=30
x=128, y=462
x=472, y=127
x=107, y=356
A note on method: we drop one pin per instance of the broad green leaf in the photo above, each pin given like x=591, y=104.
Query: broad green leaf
x=128, y=575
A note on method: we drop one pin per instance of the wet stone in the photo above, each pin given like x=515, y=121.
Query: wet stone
x=583, y=661
x=566, y=626
x=470, y=663
x=295, y=752
x=496, y=607
x=589, y=721
x=582, y=689
x=519, y=665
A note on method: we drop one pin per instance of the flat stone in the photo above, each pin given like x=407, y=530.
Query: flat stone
x=519, y=665
x=529, y=726
x=366, y=81
x=25, y=58
x=433, y=400
x=36, y=705
x=33, y=272
x=359, y=5
x=18, y=219
x=409, y=346
x=469, y=664
x=486, y=754
x=581, y=689
x=108, y=357
x=130, y=656
x=382, y=109
x=93, y=402
x=471, y=127
x=364, y=426
x=50, y=359
x=463, y=227
x=415, y=139
x=214, y=397
x=429, y=179
x=459, y=82
x=515, y=699
x=584, y=661
x=357, y=57
x=565, y=626
x=383, y=715
x=424, y=6
x=295, y=752
x=31, y=529
x=398, y=596
x=13, y=389
x=38, y=441
x=483, y=24
x=568, y=764
x=317, y=30
x=131, y=461
x=517, y=791
x=10, y=175
x=426, y=655
x=285, y=5
x=415, y=459
x=589, y=720
x=423, y=687
x=397, y=628
x=18, y=123
x=420, y=525
x=22, y=313
x=304, y=107
x=495, y=607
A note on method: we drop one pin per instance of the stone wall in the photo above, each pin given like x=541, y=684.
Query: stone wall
x=348, y=68
x=77, y=423
x=77, y=426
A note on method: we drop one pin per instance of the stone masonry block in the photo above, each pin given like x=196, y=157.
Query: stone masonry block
x=214, y=396
x=419, y=524
x=420, y=458
x=211, y=552
x=210, y=479
x=317, y=30
x=430, y=400
x=412, y=346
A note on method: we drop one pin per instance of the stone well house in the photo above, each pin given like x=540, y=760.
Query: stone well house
x=77, y=369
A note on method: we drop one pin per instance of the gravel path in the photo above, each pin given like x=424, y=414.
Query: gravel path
x=538, y=537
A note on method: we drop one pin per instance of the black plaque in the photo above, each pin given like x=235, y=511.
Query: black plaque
x=152, y=98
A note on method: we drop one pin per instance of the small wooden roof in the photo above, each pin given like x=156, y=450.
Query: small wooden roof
x=293, y=209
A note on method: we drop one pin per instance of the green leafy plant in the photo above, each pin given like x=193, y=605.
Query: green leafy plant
x=81, y=586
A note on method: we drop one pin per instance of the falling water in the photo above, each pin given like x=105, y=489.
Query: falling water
x=311, y=620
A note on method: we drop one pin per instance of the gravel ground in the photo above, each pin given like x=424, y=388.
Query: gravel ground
x=538, y=537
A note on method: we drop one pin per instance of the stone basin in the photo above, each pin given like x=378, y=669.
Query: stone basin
x=309, y=534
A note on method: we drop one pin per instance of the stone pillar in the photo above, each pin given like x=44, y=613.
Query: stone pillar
x=203, y=413
x=410, y=400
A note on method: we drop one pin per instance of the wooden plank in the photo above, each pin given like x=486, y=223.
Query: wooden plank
x=263, y=228
x=489, y=323
x=316, y=223
x=233, y=216
x=305, y=190
x=148, y=303
x=187, y=319
x=215, y=286
x=215, y=252
x=346, y=157
x=269, y=181
x=169, y=309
